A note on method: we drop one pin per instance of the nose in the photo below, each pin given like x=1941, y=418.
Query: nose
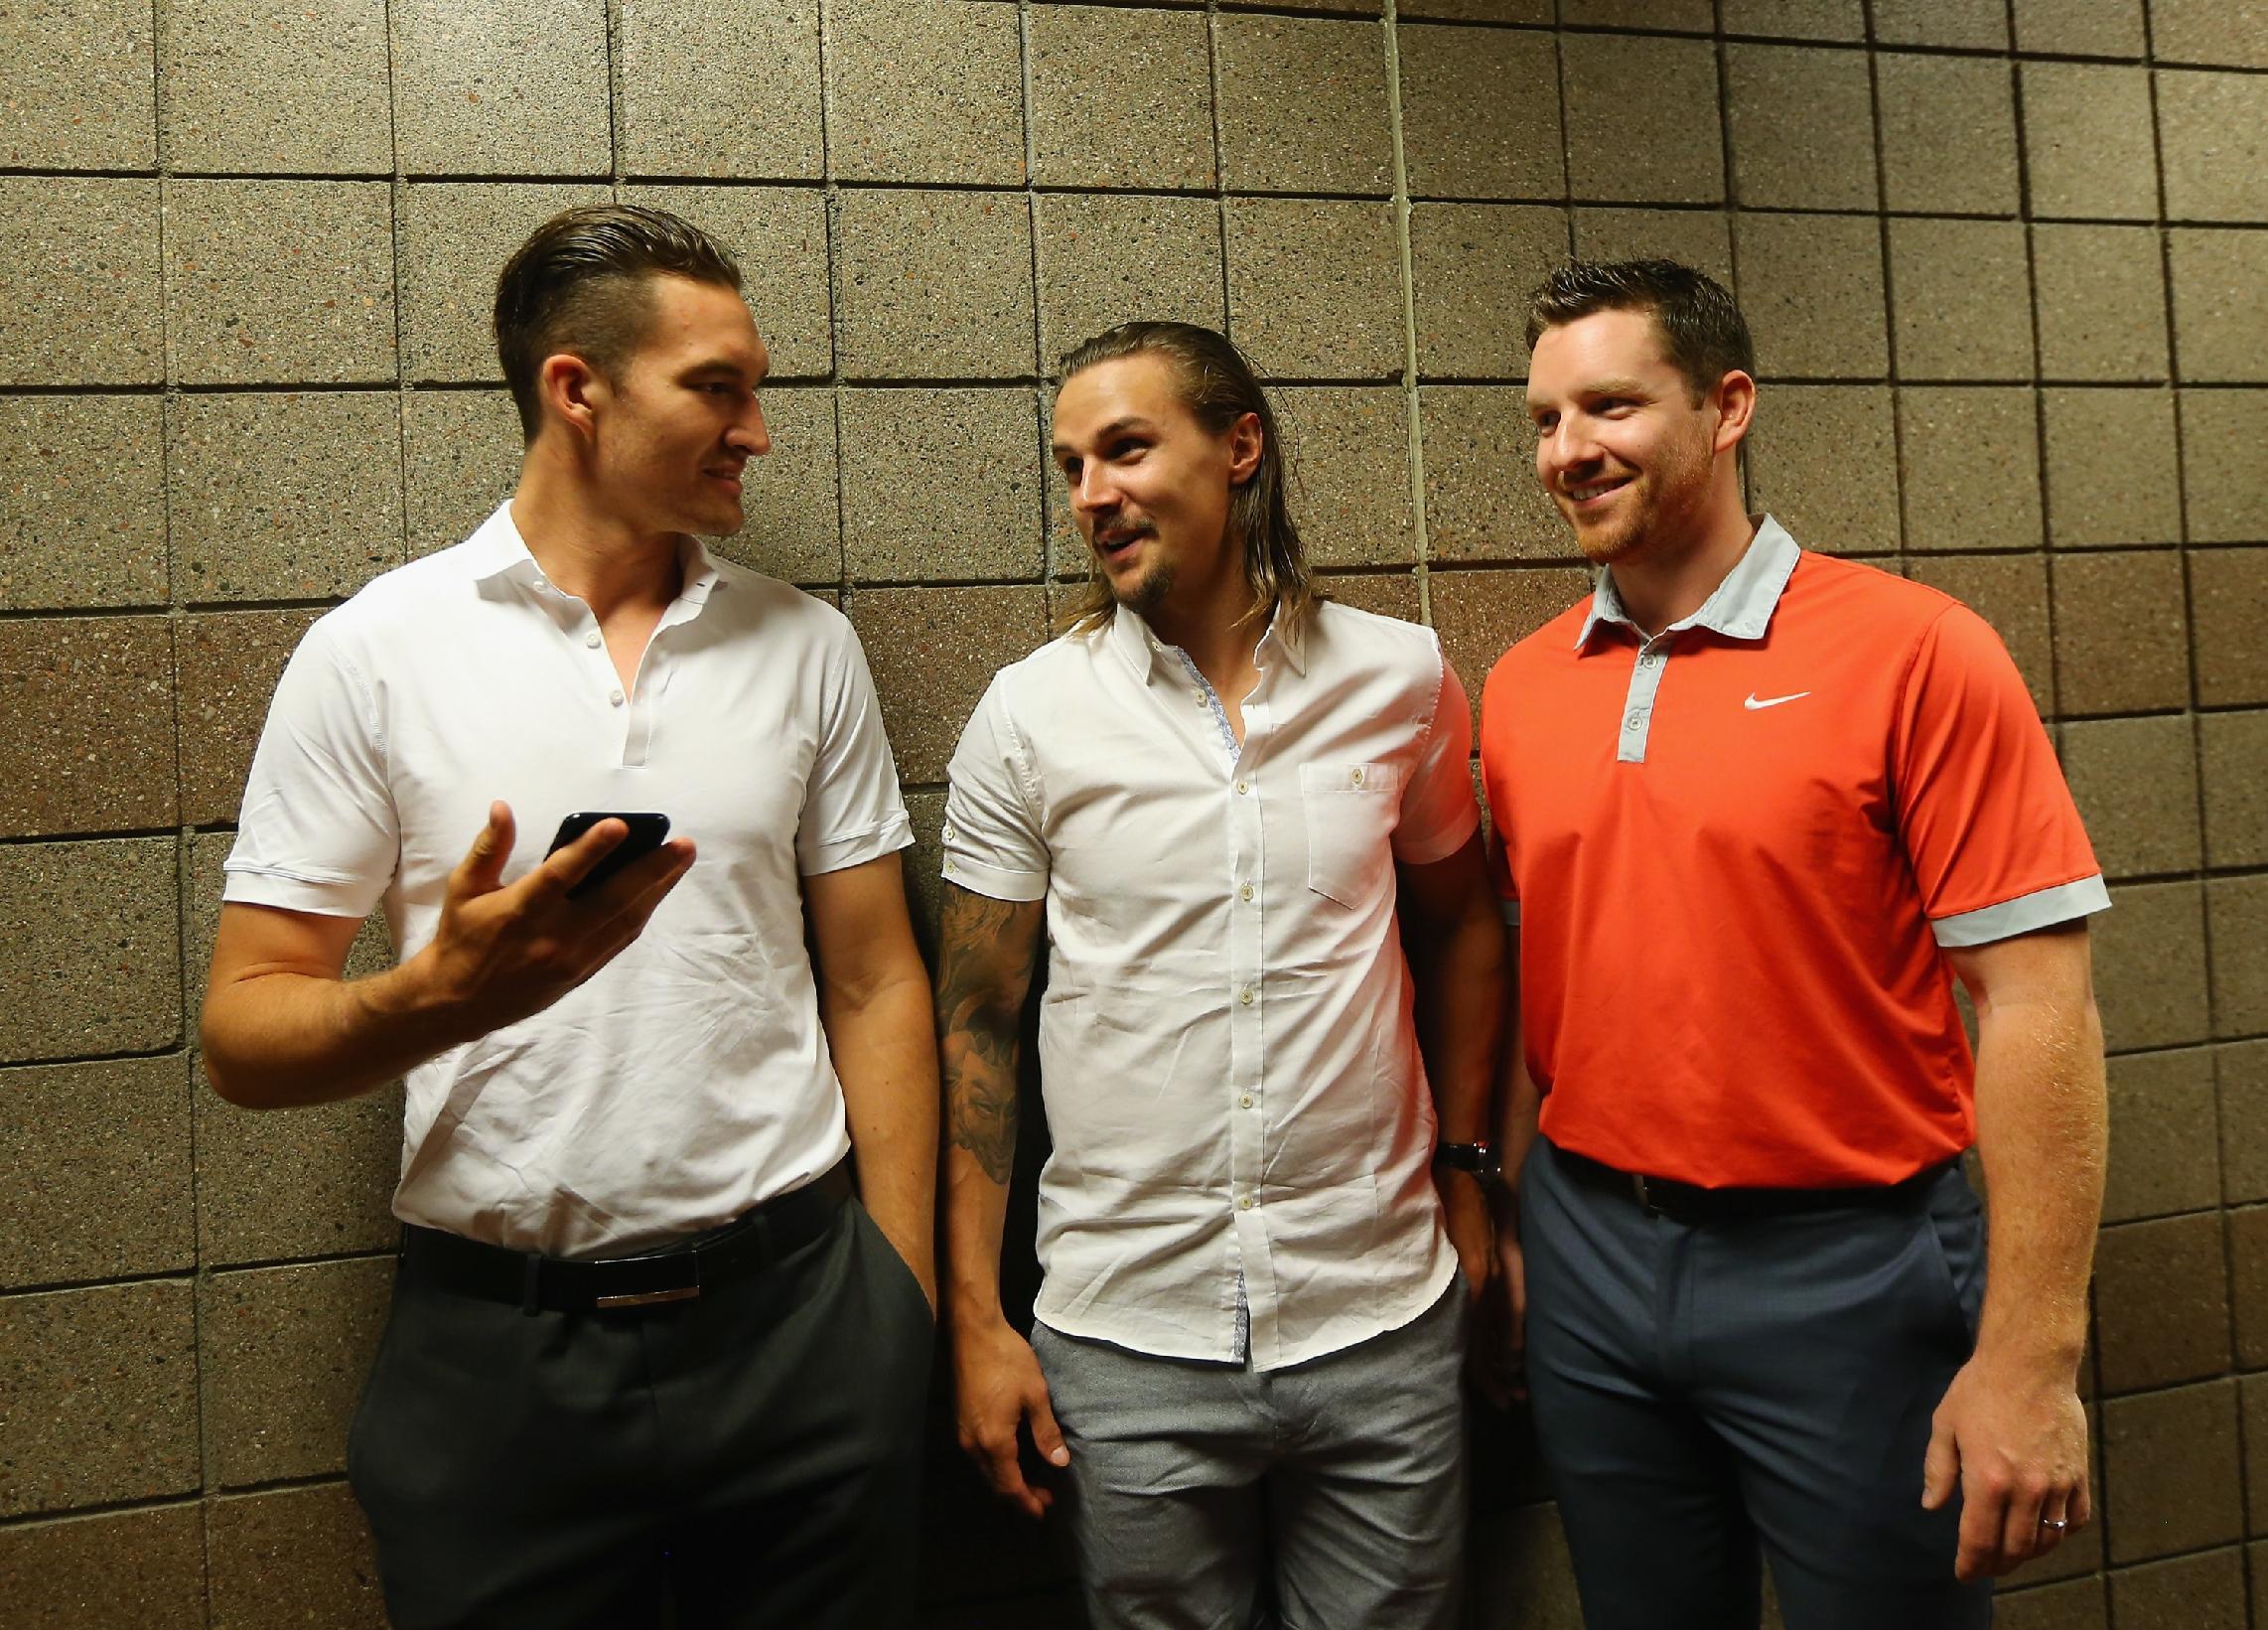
x=1093, y=491
x=749, y=435
x=1569, y=445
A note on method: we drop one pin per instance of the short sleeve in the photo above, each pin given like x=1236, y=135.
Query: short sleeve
x=852, y=810
x=1439, y=811
x=993, y=841
x=1989, y=827
x=316, y=830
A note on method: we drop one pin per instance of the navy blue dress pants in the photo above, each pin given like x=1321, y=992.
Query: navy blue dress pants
x=1708, y=1392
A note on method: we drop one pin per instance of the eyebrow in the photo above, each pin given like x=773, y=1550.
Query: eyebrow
x=722, y=366
x=1118, y=426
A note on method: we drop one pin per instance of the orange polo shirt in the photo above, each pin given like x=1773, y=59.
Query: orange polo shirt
x=1735, y=851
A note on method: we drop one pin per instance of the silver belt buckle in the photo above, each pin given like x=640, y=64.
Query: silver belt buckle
x=647, y=1298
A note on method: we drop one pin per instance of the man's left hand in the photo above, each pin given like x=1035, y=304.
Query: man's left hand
x=1465, y=1211
x=2011, y=1434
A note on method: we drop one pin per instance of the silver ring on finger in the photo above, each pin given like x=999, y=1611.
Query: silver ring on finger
x=2054, y=1525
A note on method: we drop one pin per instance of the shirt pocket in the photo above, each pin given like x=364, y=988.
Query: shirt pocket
x=1350, y=811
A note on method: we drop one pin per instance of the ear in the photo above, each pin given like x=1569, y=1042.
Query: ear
x=1735, y=399
x=571, y=390
x=1245, y=445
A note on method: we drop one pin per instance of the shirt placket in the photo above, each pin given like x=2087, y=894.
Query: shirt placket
x=1638, y=703
x=1248, y=787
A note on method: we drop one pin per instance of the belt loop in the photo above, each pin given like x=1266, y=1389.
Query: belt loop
x=530, y=1281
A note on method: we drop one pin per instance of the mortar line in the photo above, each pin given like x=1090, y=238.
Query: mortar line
x=1729, y=210
x=1038, y=445
x=1390, y=24
x=2197, y=730
x=830, y=193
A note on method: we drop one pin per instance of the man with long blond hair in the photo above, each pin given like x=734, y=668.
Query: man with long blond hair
x=1215, y=791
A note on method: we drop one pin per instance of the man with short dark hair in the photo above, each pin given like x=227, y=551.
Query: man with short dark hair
x=1219, y=795
x=644, y=1346
x=1758, y=809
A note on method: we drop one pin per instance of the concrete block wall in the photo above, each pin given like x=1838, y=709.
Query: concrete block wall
x=2006, y=265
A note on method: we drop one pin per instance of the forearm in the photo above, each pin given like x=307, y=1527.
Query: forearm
x=2042, y=1133
x=279, y=1038
x=889, y=1072
x=1460, y=974
x=979, y=1059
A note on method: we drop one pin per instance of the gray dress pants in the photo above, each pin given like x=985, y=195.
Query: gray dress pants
x=1338, y=1483
x=750, y=1458
x=1706, y=1390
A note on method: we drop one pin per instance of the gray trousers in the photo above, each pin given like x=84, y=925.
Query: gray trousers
x=750, y=1458
x=1705, y=1389
x=1340, y=1481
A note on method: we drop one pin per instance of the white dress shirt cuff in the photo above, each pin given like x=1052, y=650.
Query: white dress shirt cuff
x=994, y=883
x=856, y=848
x=1442, y=844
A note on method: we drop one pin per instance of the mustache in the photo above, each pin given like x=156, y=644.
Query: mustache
x=1122, y=532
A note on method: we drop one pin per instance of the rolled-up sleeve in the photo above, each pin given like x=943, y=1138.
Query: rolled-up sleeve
x=853, y=811
x=993, y=840
x=1439, y=810
x=316, y=830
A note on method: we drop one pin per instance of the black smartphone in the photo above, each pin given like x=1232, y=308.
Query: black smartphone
x=646, y=835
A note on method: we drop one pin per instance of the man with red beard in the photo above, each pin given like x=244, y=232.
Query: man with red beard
x=1758, y=809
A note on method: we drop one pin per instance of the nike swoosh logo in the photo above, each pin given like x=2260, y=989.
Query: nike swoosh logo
x=1751, y=704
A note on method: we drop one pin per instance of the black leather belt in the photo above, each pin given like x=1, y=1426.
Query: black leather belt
x=1691, y=1203
x=759, y=1239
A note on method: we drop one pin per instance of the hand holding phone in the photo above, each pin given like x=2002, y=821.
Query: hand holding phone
x=646, y=833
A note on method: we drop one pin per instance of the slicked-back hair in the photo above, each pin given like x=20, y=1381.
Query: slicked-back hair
x=582, y=283
x=1217, y=385
x=1701, y=329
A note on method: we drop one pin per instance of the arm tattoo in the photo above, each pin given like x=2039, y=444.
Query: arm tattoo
x=984, y=967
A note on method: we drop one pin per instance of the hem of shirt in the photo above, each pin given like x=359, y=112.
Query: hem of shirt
x=993, y=883
x=263, y=887
x=1434, y=1284
x=857, y=848
x=2042, y=908
x=1442, y=846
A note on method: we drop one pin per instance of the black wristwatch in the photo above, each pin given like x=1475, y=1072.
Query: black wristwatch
x=1478, y=1158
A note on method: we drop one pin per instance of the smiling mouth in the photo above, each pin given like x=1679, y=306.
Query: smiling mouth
x=1590, y=494
x=730, y=478
x=1113, y=545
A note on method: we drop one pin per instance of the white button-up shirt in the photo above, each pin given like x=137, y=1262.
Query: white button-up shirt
x=688, y=1079
x=1232, y=1082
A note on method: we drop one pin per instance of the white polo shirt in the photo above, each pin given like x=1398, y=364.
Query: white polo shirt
x=688, y=1079
x=1231, y=1078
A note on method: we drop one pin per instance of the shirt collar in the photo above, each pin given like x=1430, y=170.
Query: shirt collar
x=497, y=550
x=1131, y=637
x=1739, y=608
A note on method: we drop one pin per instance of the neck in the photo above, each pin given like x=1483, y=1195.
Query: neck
x=585, y=548
x=1206, y=620
x=1667, y=578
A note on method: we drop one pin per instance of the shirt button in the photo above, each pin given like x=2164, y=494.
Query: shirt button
x=592, y=640
x=614, y=697
x=1651, y=659
x=1357, y=778
x=1243, y=1202
x=1633, y=721
x=1244, y=1103
x=1246, y=996
x=1245, y=893
x=1240, y=787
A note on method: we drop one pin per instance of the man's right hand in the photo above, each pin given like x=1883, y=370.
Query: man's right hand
x=502, y=953
x=999, y=1387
